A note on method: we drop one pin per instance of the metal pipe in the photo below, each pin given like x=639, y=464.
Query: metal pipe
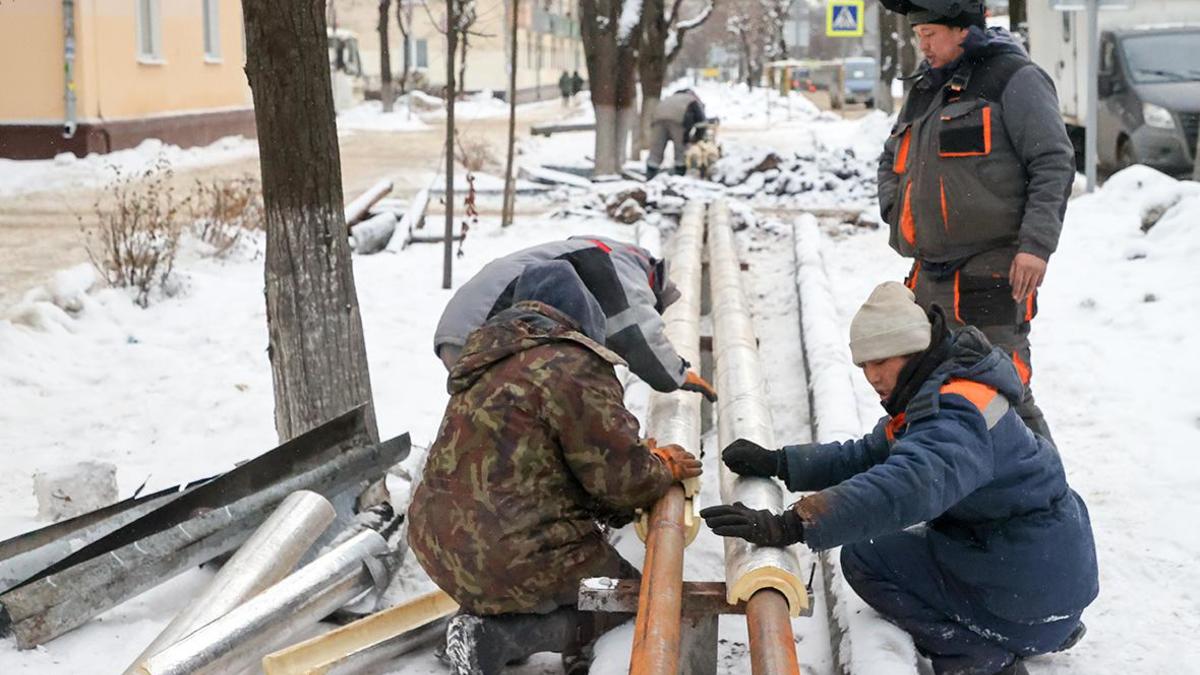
x=268, y=556
x=772, y=649
x=70, y=124
x=743, y=412
x=242, y=637
x=673, y=418
x=44, y=609
x=358, y=209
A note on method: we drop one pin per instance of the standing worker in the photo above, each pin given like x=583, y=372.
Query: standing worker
x=631, y=286
x=564, y=88
x=975, y=177
x=576, y=85
x=535, y=454
x=956, y=522
x=674, y=119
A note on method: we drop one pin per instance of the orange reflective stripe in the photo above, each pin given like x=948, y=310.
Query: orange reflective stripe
x=980, y=395
x=1029, y=306
x=893, y=427
x=1023, y=369
x=901, y=162
x=957, y=316
x=945, y=211
x=907, y=228
x=601, y=245
x=912, y=276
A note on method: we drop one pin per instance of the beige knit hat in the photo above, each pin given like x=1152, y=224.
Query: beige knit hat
x=890, y=323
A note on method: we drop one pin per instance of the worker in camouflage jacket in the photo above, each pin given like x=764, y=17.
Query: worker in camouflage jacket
x=536, y=452
x=956, y=521
x=630, y=285
x=975, y=177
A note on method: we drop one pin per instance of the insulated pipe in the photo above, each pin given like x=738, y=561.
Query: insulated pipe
x=743, y=412
x=268, y=555
x=358, y=209
x=242, y=637
x=673, y=418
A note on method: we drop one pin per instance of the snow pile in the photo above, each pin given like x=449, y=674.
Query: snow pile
x=67, y=170
x=480, y=105
x=836, y=177
x=740, y=105
x=369, y=116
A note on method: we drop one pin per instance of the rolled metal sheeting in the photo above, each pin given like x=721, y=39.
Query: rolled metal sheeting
x=743, y=412
x=242, y=637
x=269, y=555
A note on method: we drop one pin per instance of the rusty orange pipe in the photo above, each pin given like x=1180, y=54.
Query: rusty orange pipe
x=660, y=600
x=772, y=647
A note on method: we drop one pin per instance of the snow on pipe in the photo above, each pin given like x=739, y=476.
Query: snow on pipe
x=863, y=641
x=372, y=640
x=358, y=209
x=48, y=607
x=241, y=638
x=673, y=418
x=268, y=555
x=743, y=412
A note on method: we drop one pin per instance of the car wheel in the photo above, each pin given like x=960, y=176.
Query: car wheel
x=1126, y=155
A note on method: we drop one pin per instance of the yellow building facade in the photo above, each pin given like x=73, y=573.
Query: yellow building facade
x=168, y=69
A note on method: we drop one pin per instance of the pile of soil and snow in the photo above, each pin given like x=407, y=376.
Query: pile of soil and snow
x=834, y=176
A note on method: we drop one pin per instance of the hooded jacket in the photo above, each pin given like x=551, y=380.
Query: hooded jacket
x=979, y=157
x=534, y=449
x=619, y=275
x=1002, y=521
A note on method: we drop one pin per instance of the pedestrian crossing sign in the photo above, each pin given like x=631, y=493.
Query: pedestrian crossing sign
x=844, y=18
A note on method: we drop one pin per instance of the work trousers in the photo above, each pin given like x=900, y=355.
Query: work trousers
x=898, y=576
x=976, y=292
x=661, y=132
x=501, y=639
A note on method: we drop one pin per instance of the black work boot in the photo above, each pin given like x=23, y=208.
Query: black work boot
x=1073, y=639
x=1017, y=667
x=464, y=635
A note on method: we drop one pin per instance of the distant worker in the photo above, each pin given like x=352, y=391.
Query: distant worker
x=631, y=286
x=675, y=118
x=956, y=523
x=564, y=87
x=975, y=178
x=535, y=454
x=576, y=84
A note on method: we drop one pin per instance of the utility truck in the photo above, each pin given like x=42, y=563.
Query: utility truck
x=1149, y=78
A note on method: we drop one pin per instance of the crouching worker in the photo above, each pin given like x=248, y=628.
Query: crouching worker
x=536, y=452
x=1004, y=564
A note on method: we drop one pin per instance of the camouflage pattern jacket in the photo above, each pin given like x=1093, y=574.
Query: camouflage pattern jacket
x=535, y=447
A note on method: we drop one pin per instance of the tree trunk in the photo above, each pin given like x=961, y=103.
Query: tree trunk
x=385, y=58
x=888, y=60
x=652, y=65
x=506, y=211
x=315, y=338
x=451, y=95
x=404, y=21
x=462, y=61
x=611, y=62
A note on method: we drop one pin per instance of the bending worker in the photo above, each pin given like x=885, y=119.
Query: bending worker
x=674, y=120
x=957, y=523
x=630, y=285
x=536, y=452
x=975, y=178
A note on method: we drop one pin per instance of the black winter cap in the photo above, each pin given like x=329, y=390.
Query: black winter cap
x=958, y=13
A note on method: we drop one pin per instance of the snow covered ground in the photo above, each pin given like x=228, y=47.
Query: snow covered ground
x=183, y=389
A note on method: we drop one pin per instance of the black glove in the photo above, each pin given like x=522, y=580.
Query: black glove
x=757, y=526
x=751, y=459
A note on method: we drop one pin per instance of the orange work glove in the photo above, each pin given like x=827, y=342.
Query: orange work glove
x=681, y=463
x=699, y=385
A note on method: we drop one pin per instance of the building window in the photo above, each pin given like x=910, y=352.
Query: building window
x=422, y=57
x=212, y=31
x=149, y=30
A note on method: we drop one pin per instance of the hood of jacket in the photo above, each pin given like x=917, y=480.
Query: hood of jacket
x=524, y=326
x=979, y=45
x=971, y=357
